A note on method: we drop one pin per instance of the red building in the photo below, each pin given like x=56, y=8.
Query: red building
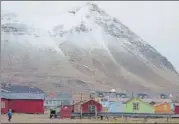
x=22, y=99
x=87, y=106
x=176, y=109
x=65, y=112
x=4, y=105
x=28, y=106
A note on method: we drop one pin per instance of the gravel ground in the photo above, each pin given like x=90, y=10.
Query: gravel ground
x=30, y=118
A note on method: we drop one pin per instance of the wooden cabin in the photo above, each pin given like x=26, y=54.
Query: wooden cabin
x=164, y=107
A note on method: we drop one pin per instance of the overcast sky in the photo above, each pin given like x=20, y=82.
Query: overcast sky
x=156, y=22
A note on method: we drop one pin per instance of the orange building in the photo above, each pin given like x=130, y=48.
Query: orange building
x=162, y=108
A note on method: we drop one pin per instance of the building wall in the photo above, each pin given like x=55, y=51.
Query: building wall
x=172, y=106
x=91, y=102
x=65, y=112
x=163, y=108
x=105, y=104
x=52, y=103
x=105, y=109
x=176, y=109
x=143, y=107
x=116, y=107
x=77, y=107
x=27, y=106
x=4, y=105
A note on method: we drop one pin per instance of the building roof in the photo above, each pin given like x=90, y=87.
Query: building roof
x=66, y=102
x=16, y=91
x=123, y=95
x=81, y=102
x=59, y=96
x=21, y=95
x=138, y=100
x=161, y=103
x=20, y=89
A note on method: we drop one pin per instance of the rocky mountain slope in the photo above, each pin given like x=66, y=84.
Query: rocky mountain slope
x=85, y=49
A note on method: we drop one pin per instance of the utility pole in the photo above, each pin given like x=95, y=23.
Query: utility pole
x=81, y=107
x=132, y=94
x=0, y=77
x=81, y=97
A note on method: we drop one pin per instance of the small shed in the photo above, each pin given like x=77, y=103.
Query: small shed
x=164, y=107
x=136, y=105
x=65, y=111
x=116, y=107
x=4, y=105
x=176, y=110
x=90, y=106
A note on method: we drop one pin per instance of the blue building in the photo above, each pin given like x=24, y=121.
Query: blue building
x=105, y=104
x=116, y=107
x=57, y=100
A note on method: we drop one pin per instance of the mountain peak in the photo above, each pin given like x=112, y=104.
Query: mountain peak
x=88, y=8
x=84, y=44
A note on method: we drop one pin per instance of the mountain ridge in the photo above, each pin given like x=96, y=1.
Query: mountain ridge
x=90, y=51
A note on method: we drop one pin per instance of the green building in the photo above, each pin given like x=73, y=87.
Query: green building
x=136, y=105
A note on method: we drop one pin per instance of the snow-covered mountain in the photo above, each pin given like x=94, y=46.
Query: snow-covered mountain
x=84, y=48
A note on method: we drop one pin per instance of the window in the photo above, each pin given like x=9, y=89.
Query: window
x=58, y=102
x=54, y=102
x=135, y=106
x=50, y=102
x=91, y=108
x=2, y=104
x=46, y=102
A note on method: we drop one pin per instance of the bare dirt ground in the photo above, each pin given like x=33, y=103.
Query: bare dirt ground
x=30, y=118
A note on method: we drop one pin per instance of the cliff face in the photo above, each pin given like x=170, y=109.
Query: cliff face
x=86, y=49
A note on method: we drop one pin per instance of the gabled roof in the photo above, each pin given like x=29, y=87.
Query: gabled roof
x=161, y=103
x=129, y=100
x=81, y=102
x=91, y=100
x=59, y=96
x=21, y=89
x=138, y=100
x=16, y=91
x=84, y=101
x=21, y=95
